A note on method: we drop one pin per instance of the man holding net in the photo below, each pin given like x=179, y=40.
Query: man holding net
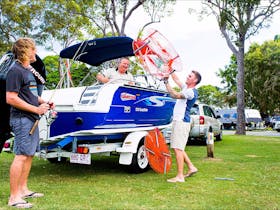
x=181, y=122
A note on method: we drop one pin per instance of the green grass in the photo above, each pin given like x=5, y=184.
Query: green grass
x=253, y=162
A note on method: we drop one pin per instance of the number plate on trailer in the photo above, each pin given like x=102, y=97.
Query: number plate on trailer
x=80, y=158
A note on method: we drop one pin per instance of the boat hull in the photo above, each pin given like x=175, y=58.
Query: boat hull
x=113, y=107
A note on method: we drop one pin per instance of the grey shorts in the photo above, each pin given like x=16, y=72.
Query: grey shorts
x=179, y=134
x=24, y=144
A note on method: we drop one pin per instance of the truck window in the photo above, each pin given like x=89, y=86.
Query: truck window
x=207, y=111
x=194, y=110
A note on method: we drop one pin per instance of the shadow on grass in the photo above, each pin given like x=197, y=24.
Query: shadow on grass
x=99, y=166
x=196, y=143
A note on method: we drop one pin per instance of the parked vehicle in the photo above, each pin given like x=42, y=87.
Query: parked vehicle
x=203, y=118
x=229, y=118
x=276, y=123
x=274, y=120
x=267, y=121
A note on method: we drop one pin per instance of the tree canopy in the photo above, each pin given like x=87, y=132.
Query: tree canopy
x=63, y=23
x=237, y=21
x=18, y=19
x=262, y=78
x=211, y=95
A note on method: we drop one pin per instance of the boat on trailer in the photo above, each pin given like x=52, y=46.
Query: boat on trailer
x=104, y=118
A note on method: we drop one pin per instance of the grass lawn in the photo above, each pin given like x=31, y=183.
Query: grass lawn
x=253, y=162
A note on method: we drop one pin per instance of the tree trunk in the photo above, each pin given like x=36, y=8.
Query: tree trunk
x=241, y=123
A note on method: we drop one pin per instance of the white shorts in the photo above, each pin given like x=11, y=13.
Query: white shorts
x=179, y=134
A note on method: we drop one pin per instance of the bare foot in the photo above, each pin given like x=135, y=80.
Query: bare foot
x=191, y=172
x=176, y=179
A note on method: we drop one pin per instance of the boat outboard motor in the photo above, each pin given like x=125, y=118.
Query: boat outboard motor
x=5, y=63
x=5, y=130
x=39, y=66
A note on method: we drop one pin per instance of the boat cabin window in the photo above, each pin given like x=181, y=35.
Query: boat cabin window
x=90, y=94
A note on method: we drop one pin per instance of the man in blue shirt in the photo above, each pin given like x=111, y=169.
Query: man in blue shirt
x=181, y=122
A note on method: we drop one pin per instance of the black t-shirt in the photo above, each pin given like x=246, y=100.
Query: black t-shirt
x=22, y=81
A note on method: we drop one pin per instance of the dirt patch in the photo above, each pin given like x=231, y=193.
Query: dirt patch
x=252, y=156
x=213, y=159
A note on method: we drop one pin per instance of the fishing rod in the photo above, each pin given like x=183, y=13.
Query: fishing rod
x=75, y=57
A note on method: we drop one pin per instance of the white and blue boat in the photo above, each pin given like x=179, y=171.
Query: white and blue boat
x=104, y=118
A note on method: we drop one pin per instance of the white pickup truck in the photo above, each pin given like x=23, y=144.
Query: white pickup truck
x=203, y=118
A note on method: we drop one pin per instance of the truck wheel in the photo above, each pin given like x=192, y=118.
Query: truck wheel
x=219, y=137
x=140, y=161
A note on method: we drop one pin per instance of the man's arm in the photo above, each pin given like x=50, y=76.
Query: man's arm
x=15, y=101
x=101, y=78
x=172, y=92
x=177, y=80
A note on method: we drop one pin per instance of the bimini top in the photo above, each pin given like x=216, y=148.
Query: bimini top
x=97, y=51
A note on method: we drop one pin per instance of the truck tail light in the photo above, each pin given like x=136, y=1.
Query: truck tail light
x=201, y=120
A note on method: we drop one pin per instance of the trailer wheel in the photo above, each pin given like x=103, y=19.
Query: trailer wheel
x=140, y=161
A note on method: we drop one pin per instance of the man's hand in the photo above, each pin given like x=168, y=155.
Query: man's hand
x=165, y=78
x=43, y=108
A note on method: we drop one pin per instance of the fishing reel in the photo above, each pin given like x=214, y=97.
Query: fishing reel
x=51, y=115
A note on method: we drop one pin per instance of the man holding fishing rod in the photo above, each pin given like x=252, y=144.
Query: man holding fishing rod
x=26, y=108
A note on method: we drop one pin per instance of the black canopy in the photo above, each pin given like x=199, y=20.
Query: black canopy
x=97, y=51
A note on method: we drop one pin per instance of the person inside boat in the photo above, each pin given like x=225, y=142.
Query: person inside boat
x=118, y=75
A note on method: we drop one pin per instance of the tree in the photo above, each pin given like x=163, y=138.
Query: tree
x=262, y=77
x=157, y=10
x=211, y=95
x=18, y=18
x=51, y=65
x=112, y=15
x=62, y=23
x=64, y=19
x=237, y=21
x=69, y=21
x=78, y=72
x=228, y=75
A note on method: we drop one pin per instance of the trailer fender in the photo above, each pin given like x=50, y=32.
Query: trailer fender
x=130, y=146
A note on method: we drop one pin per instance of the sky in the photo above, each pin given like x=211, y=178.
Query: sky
x=199, y=43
